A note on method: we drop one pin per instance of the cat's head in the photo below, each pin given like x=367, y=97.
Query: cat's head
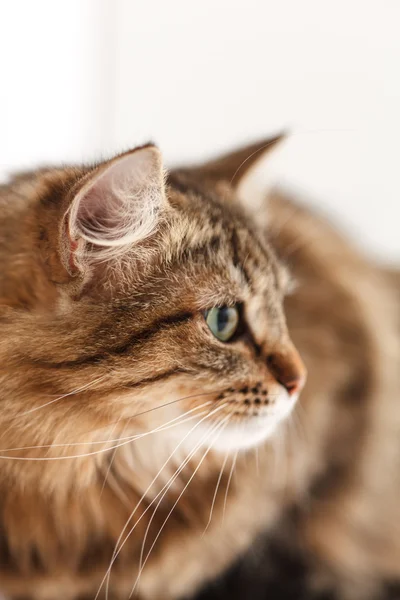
x=137, y=297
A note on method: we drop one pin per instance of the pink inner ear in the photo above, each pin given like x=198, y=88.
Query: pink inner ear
x=100, y=210
x=73, y=249
x=70, y=248
x=117, y=208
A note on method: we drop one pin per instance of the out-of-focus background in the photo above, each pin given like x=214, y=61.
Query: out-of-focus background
x=81, y=79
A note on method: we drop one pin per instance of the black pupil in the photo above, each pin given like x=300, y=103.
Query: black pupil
x=223, y=318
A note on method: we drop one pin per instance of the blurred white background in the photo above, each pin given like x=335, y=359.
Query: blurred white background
x=81, y=79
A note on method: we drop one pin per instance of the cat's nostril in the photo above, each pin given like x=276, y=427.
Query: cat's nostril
x=294, y=386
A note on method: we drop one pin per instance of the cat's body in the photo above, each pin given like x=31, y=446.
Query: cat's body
x=93, y=342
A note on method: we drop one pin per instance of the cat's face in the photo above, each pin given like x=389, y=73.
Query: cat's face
x=165, y=310
x=225, y=329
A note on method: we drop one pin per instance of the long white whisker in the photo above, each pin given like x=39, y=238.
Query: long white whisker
x=216, y=492
x=128, y=439
x=120, y=493
x=112, y=457
x=284, y=470
x=229, y=483
x=118, y=550
x=168, y=486
x=196, y=408
x=105, y=441
x=218, y=428
x=296, y=455
x=144, y=412
x=76, y=391
x=277, y=447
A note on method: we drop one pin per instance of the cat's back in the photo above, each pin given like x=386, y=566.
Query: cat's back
x=343, y=315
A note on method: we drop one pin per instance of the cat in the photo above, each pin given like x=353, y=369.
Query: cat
x=183, y=377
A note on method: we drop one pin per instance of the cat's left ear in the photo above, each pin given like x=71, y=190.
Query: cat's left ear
x=231, y=168
x=117, y=207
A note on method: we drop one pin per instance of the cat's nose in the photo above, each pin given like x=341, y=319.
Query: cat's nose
x=288, y=369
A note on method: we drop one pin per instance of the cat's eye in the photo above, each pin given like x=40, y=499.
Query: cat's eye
x=223, y=321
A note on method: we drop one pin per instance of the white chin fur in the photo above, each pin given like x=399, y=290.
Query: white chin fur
x=245, y=435
x=251, y=430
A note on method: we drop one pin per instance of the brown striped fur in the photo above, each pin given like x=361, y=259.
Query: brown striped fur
x=90, y=356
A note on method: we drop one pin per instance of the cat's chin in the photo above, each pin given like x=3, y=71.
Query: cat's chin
x=251, y=431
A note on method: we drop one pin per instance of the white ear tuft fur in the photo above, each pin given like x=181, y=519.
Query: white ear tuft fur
x=117, y=208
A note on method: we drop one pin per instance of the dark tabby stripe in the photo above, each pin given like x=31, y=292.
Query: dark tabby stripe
x=158, y=377
x=137, y=338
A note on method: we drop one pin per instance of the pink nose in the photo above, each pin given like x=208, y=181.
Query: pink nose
x=288, y=369
x=293, y=386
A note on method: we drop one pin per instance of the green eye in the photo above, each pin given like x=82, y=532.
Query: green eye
x=223, y=321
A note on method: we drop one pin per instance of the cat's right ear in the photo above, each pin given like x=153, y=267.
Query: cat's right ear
x=117, y=206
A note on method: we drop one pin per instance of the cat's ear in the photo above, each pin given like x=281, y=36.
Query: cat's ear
x=116, y=208
x=233, y=167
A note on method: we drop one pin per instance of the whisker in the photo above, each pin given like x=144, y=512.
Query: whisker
x=118, y=550
x=218, y=428
x=114, y=484
x=145, y=412
x=285, y=472
x=277, y=460
x=129, y=439
x=168, y=486
x=112, y=458
x=216, y=492
x=75, y=391
x=180, y=423
x=95, y=442
x=229, y=483
x=300, y=435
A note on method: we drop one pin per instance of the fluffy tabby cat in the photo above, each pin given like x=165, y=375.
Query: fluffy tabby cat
x=146, y=371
